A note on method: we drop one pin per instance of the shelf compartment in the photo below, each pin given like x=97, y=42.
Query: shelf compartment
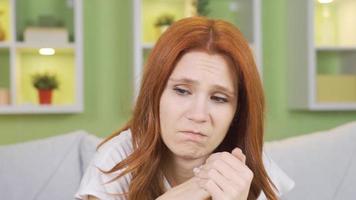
x=333, y=23
x=153, y=9
x=47, y=14
x=336, y=77
x=4, y=76
x=5, y=11
x=30, y=62
x=336, y=62
x=336, y=89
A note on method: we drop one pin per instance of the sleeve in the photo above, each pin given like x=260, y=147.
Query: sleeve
x=95, y=182
x=92, y=184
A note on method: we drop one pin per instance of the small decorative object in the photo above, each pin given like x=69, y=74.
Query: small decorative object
x=4, y=96
x=46, y=34
x=163, y=22
x=201, y=7
x=47, y=30
x=2, y=31
x=45, y=84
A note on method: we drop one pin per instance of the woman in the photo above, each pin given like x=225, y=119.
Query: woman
x=197, y=127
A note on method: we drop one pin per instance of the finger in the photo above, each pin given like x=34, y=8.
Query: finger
x=203, y=172
x=228, y=172
x=234, y=162
x=237, y=152
x=213, y=189
x=236, y=177
x=222, y=182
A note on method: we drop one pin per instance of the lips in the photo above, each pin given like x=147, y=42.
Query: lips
x=194, y=132
x=195, y=135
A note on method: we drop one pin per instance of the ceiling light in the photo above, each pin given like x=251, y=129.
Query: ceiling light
x=47, y=51
x=325, y=1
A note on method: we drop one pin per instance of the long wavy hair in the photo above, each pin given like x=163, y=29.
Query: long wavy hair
x=246, y=130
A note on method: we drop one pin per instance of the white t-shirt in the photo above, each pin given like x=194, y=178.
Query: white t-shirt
x=117, y=149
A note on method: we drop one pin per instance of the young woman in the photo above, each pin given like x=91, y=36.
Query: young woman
x=197, y=127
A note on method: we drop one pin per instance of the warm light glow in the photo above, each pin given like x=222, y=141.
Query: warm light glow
x=325, y=1
x=47, y=51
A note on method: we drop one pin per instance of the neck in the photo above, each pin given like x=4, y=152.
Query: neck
x=179, y=169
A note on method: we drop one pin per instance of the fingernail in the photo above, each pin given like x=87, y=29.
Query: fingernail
x=196, y=170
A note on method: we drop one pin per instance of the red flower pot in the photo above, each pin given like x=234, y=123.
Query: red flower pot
x=45, y=96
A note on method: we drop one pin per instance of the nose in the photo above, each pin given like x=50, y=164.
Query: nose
x=198, y=110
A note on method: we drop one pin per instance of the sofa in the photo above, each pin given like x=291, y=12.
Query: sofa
x=322, y=165
x=49, y=168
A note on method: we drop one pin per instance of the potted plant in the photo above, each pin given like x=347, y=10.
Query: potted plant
x=202, y=7
x=45, y=84
x=163, y=22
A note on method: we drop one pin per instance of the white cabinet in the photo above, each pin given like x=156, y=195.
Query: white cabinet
x=32, y=29
x=322, y=54
x=246, y=14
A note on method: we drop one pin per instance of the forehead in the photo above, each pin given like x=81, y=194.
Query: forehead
x=204, y=66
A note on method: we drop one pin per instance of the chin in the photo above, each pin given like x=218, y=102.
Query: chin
x=190, y=153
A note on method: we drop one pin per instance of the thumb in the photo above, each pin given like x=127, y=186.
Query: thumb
x=237, y=152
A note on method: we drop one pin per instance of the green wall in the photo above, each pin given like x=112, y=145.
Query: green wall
x=108, y=72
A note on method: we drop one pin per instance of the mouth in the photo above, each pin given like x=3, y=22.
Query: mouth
x=193, y=135
x=193, y=132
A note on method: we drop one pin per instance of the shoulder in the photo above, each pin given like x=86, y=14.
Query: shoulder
x=99, y=184
x=113, y=151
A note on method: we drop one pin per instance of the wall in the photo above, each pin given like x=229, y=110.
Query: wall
x=108, y=61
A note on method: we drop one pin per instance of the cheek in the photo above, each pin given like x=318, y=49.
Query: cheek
x=222, y=120
x=169, y=111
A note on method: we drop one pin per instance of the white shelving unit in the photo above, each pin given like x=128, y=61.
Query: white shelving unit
x=322, y=55
x=247, y=14
x=17, y=50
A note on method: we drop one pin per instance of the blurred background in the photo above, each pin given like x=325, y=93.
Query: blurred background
x=73, y=64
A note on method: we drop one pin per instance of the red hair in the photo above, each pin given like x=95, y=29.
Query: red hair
x=246, y=130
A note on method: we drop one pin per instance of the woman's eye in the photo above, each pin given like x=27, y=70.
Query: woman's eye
x=181, y=91
x=219, y=99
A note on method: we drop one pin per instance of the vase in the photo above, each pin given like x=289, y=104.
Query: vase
x=160, y=30
x=163, y=28
x=45, y=96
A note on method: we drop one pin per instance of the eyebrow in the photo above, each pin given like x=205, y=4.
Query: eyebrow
x=194, y=82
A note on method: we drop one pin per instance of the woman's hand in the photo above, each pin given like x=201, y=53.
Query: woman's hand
x=226, y=176
x=187, y=190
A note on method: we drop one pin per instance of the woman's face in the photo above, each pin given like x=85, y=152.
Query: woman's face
x=197, y=105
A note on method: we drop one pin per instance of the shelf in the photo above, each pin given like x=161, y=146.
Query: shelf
x=54, y=24
x=39, y=109
x=148, y=45
x=42, y=45
x=4, y=45
x=336, y=48
x=322, y=55
x=333, y=107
